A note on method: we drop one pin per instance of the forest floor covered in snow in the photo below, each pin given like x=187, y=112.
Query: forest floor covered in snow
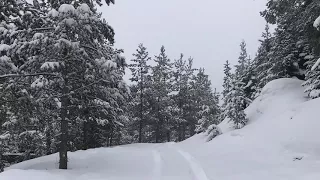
x=281, y=142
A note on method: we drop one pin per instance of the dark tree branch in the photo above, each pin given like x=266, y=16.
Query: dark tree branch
x=27, y=75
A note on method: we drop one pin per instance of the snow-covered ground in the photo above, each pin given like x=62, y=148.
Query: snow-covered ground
x=281, y=142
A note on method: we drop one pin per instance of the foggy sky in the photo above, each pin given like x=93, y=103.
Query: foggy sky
x=210, y=31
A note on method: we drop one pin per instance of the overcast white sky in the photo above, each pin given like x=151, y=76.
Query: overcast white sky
x=208, y=30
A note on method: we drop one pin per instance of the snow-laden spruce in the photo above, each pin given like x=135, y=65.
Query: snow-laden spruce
x=69, y=76
x=312, y=79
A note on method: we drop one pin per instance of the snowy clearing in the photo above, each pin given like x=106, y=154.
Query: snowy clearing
x=280, y=142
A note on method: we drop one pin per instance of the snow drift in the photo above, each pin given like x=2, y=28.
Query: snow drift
x=281, y=142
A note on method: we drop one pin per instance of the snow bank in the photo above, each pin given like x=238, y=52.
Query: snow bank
x=275, y=98
x=118, y=163
x=280, y=142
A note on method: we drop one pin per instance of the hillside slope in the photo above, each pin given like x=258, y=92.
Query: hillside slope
x=279, y=143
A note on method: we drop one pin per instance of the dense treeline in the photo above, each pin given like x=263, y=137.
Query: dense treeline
x=291, y=51
x=171, y=99
x=62, y=88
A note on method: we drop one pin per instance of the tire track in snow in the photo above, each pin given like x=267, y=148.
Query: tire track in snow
x=157, y=165
x=197, y=170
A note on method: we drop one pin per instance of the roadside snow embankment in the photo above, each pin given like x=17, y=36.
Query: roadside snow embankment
x=281, y=140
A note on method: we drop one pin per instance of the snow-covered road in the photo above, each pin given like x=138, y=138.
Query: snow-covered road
x=132, y=162
x=174, y=163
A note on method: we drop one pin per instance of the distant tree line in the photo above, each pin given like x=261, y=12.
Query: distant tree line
x=171, y=100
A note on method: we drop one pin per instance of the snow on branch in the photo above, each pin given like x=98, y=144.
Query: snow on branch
x=27, y=75
x=315, y=65
x=316, y=23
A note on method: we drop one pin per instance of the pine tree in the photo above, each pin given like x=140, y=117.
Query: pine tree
x=227, y=85
x=16, y=19
x=140, y=69
x=227, y=79
x=76, y=72
x=236, y=103
x=242, y=60
x=206, y=104
x=56, y=4
x=182, y=98
x=161, y=77
x=312, y=83
x=294, y=40
x=261, y=62
x=238, y=89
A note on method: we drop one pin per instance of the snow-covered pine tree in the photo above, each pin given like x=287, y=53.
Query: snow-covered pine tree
x=75, y=65
x=161, y=78
x=227, y=85
x=244, y=72
x=242, y=60
x=91, y=3
x=237, y=89
x=236, y=103
x=312, y=82
x=227, y=79
x=294, y=39
x=139, y=69
x=183, y=74
x=16, y=19
x=313, y=73
x=262, y=63
x=206, y=104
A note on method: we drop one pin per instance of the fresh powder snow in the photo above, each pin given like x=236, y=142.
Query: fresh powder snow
x=67, y=8
x=53, y=13
x=50, y=65
x=4, y=47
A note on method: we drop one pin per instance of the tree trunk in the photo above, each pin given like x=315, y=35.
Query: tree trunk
x=85, y=136
x=157, y=132
x=168, y=136
x=111, y=137
x=1, y=161
x=48, y=139
x=183, y=131
x=63, y=150
x=141, y=108
x=192, y=129
x=179, y=132
x=140, y=131
x=141, y=120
